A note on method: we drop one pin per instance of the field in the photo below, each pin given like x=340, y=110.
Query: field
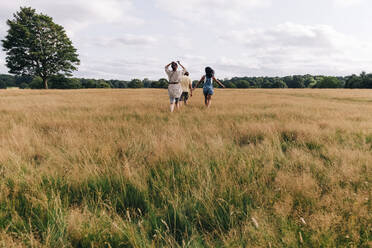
x=113, y=168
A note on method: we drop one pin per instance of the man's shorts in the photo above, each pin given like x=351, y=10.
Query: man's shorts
x=208, y=91
x=184, y=96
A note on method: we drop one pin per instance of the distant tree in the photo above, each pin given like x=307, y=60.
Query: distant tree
x=135, y=83
x=88, y=83
x=267, y=83
x=194, y=82
x=309, y=81
x=329, y=82
x=36, y=46
x=61, y=82
x=146, y=83
x=123, y=84
x=24, y=86
x=353, y=81
x=7, y=80
x=37, y=83
x=27, y=79
x=161, y=84
x=294, y=81
x=231, y=85
x=366, y=81
x=278, y=83
x=242, y=84
x=103, y=84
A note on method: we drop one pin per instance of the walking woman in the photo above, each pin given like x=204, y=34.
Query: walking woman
x=174, y=87
x=208, y=90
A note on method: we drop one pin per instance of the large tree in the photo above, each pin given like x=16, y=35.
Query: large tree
x=36, y=46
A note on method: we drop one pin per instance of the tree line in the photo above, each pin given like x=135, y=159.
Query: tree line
x=362, y=81
x=40, y=55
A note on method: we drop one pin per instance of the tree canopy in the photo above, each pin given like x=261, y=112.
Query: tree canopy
x=36, y=46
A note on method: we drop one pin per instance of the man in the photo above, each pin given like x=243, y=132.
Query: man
x=186, y=85
x=174, y=87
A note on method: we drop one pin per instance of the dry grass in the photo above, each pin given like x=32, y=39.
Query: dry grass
x=112, y=168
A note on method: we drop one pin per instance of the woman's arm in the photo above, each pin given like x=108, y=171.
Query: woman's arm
x=201, y=80
x=166, y=67
x=183, y=68
x=217, y=81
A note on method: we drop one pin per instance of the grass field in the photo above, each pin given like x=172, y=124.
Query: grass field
x=113, y=168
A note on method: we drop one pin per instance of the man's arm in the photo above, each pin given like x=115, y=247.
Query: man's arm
x=190, y=86
x=217, y=81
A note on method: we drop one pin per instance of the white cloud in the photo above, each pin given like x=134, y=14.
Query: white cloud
x=347, y=3
x=110, y=68
x=126, y=40
x=148, y=34
x=292, y=48
x=209, y=11
x=76, y=15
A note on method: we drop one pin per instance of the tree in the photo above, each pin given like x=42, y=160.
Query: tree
x=329, y=82
x=61, y=82
x=146, y=83
x=88, y=83
x=37, y=83
x=279, y=83
x=24, y=86
x=135, y=83
x=294, y=81
x=366, y=81
x=36, y=46
x=309, y=81
x=267, y=84
x=23, y=79
x=6, y=80
x=103, y=84
x=242, y=84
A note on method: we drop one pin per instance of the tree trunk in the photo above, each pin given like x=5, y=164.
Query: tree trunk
x=45, y=81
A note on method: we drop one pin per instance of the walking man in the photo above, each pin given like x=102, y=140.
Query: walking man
x=186, y=85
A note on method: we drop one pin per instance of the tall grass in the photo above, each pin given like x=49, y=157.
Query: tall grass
x=112, y=168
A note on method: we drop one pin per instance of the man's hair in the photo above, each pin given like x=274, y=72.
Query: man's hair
x=187, y=73
x=209, y=72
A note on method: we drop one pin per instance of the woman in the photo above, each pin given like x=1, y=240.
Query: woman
x=174, y=87
x=208, y=80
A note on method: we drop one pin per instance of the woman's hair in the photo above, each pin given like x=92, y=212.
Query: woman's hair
x=174, y=66
x=209, y=72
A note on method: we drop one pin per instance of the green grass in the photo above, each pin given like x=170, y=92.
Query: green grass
x=99, y=170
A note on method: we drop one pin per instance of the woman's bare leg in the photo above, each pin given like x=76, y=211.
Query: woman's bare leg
x=172, y=107
x=209, y=101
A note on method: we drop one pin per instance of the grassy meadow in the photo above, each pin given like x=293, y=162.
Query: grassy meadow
x=113, y=168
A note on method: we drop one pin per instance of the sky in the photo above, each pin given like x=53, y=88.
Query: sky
x=127, y=39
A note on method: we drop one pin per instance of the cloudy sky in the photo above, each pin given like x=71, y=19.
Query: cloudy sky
x=125, y=39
